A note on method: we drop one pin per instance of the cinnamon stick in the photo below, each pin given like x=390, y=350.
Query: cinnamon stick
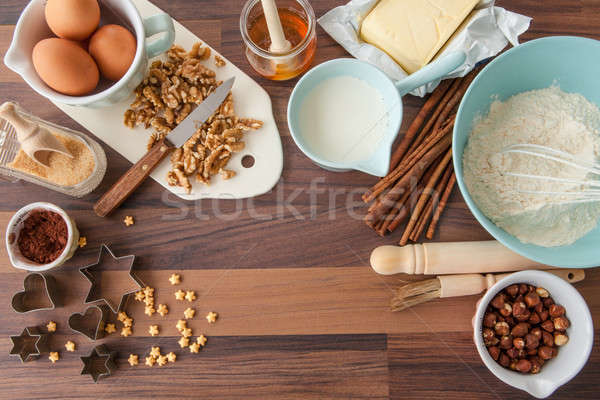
x=440, y=208
x=402, y=214
x=432, y=203
x=416, y=124
x=423, y=219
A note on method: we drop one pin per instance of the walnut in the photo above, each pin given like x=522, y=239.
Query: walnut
x=227, y=174
x=219, y=62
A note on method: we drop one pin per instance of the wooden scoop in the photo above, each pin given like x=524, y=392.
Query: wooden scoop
x=279, y=44
x=36, y=141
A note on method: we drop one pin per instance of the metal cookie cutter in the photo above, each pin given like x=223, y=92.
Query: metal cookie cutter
x=92, y=270
x=100, y=362
x=91, y=322
x=39, y=290
x=29, y=344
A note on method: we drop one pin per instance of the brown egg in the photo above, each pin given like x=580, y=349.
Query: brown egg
x=113, y=47
x=65, y=66
x=73, y=19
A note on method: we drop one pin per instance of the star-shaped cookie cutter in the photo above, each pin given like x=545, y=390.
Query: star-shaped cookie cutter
x=100, y=363
x=29, y=344
x=87, y=271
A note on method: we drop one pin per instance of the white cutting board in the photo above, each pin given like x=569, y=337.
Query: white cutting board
x=250, y=100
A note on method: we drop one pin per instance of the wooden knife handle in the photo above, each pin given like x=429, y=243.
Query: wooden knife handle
x=133, y=178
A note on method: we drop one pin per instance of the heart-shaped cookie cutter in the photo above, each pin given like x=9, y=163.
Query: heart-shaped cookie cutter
x=24, y=302
x=88, y=273
x=77, y=321
x=29, y=344
x=100, y=363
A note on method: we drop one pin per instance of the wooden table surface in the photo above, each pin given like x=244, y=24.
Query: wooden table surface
x=301, y=313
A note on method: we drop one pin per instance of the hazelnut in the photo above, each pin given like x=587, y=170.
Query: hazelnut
x=524, y=317
x=506, y=342
x=523, y=288
x=513, y=365
x=546, y=352
x=521, y=353
x=537, y=332
x=489, y=320
x=501, y=328
x=543, y=293
x=532, y=299
x=561, y=323
x=534, y=319
x=520, y=330
x=547, y=339
x=536, y=364
x=547, y=325
x=498, y=301
x=531, y=341
x=523, y=366
x=506, y=310
x=539, y=307
x=519, y=343
x=520, y=298
x=556, y=311
x=512, y=353
x=494, y=352
x=518, y=308
x=510, y=321
x=543, y=315
x=488, y=335
x=532, y=352
x=548, y=302
x=512, y=290
x=560, y=339
x=504, y=360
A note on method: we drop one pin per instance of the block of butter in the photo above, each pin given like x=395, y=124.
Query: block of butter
x=413, y=31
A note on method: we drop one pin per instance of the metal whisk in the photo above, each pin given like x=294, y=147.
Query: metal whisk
x=587, y=192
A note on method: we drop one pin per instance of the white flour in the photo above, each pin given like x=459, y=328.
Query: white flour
x=548, y=117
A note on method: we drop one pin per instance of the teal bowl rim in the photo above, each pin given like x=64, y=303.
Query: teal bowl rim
x=457, y=161
x=306, y=77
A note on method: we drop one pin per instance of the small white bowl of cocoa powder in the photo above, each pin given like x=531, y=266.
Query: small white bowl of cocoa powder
x=41, y=236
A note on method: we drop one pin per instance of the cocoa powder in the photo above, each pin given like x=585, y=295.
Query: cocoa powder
x=43, y=237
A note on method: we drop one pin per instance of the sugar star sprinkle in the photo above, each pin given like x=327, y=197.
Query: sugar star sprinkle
x=149, y=310
x=194, y=348
x=161, y=360
x=171, y=357
x=175, y=279
x=211, y=317
x=148, y=291
x=133, y=359
x=155, y=351
x=150, y=361
x=121, y=316
x=153, y=330
x=128, y=221
x=126, y=331
x=184, y=342
x=190, y=295
x=140, y=296
x=187, y=332
x=201, y=340
x=110, y=328
x=149, y=301
x=82, y=242
x=181, y=325
x=54, y=357
x=128, y=322
x=189, y=313
x=180, y=294
x=70, y=346
x=162, y=310
x=51, y=326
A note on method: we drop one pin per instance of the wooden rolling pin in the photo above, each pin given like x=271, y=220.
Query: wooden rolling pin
x=449, y=258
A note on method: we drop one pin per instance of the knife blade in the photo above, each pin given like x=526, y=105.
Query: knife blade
x=134, y=177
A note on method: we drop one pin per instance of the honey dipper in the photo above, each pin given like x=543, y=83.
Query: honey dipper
x=36, y=141
x=415, y=293
x=279, y=44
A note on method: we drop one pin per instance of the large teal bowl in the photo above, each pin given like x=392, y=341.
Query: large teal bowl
x=573, y=64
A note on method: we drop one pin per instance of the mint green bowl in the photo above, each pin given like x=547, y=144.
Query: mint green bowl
x=572, y=63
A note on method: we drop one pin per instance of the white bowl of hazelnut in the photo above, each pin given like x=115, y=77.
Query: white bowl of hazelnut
x=534, y=331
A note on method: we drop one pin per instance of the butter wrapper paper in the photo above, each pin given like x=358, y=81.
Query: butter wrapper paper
x=488, y=30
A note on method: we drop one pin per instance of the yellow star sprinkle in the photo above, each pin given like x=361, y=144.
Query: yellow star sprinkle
x=70, y=346
x=139, y=296
x=51, y=326
x=133, y=359
x=201, y=340
x=121, y=316
x=153, y=330
x=126, y=331
x=82, y=242
x=150, y=361
x=149, y=301
x=161, y=360
x=187, y=332
x=171, y=357
x=181, y=325
x=128, y=221
x=54, y=357
x=110, y=328
x=155, y=351
x=184, y=342
x=189, y=313
x=175, y=279
x=180, y=294
x=194, y=347
x=149, y=310
x=211, y=317
x=190, y=295
x=162, y=310
x=128, y=322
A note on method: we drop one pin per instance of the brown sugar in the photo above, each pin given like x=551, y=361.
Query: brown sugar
x=62, y=170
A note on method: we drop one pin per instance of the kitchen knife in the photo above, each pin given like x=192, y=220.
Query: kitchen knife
x=133, y=178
